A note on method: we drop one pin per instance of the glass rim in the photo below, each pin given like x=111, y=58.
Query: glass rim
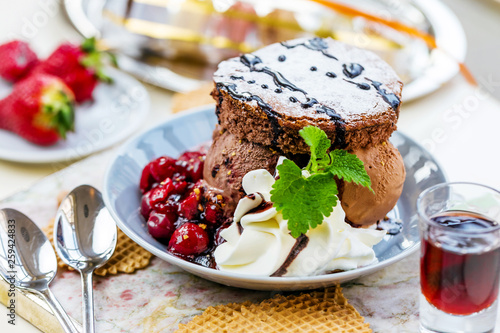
x=423, y=216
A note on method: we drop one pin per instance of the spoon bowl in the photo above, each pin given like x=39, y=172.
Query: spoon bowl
x=85, y=238
x=28, y=261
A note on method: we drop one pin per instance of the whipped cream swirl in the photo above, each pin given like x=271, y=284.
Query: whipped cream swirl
x=258, y=242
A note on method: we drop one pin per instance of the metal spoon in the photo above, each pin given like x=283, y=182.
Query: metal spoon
x=85, y=238
x=28, y=261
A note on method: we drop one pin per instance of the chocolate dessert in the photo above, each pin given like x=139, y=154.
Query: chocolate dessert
x=265, y=98
x=225, y=209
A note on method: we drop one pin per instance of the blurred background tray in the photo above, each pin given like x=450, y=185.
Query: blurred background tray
x=177, y=44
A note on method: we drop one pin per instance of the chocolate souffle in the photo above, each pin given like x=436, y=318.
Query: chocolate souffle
x=263, y=99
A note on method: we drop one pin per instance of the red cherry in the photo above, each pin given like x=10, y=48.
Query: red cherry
x=146, y=206
x=194, y=164
x=189, y=239
x=213, y=214
x=161, y=193
x=147, y=179
x=167, y=207
x=180, y=187
x=162, y=168
x=188, y=208
x=161, y=226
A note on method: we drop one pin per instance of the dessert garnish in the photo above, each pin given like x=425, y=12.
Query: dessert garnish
x=305, y=196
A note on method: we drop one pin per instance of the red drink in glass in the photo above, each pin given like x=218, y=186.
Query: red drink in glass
x=460, y=276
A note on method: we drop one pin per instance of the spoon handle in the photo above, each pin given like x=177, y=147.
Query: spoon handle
x=88, y=302
x=59, y=312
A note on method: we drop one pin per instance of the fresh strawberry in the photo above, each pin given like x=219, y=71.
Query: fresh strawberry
x=79, y=66
x=16, y=60
x=39, y=109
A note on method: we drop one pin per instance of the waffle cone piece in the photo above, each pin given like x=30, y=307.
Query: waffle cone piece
x=318, y=311
x=127, y=258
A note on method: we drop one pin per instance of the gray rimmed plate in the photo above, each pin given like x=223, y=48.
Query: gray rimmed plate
x=192, y=128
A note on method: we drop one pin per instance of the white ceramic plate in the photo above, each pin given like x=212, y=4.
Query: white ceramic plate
x=190, y=129
x=116, y=112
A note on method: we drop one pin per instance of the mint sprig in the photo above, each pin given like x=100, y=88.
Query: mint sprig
x=306, y=201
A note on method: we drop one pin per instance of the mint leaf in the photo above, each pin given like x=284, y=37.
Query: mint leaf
x=303, y=201
x=348, y=167
x=319, y=143
x=306, y=201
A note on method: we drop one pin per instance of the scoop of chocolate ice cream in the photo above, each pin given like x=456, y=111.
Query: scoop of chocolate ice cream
x=229, y=159
x=385, y=166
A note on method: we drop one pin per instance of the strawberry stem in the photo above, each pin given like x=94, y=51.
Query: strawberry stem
x=59, y=112
x=94, y=59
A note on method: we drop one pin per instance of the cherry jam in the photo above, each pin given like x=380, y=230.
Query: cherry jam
x=179, y=209
x=460, y=274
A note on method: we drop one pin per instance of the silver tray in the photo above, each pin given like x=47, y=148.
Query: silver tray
x=177, y=44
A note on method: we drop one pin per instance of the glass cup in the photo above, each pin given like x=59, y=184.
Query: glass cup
x=460, y=257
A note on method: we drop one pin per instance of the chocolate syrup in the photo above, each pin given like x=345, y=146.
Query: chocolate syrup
x=300, y=244
x=339, y=141
x=246, y=96
x=389, y=98
x=264, y=86
x=240, y=228
x=315, y=44
x=251, y=61
x=264, y=205
x=278, y=90
x=313, y=69
x=309, y=103
x=251, y=82
x=362, y=85
x=233, y=77
x=352, y=70
x=392, y=227
x=281, y=58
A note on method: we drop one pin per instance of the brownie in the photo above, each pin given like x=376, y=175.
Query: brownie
x=266, y=97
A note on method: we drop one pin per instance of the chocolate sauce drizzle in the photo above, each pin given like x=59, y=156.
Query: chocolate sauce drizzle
x=251, y=61
x=392, y=227
x=246, y=96
x=264, y=205
x=234, y=77
x=300, y=244
x=362, y=85
x=315, y=44
x=390, y=98
x=352, y=70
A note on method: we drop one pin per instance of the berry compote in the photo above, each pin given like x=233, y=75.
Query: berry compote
x=180, y=209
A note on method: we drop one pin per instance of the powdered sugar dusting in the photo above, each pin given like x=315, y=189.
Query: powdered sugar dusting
x=353, y=97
